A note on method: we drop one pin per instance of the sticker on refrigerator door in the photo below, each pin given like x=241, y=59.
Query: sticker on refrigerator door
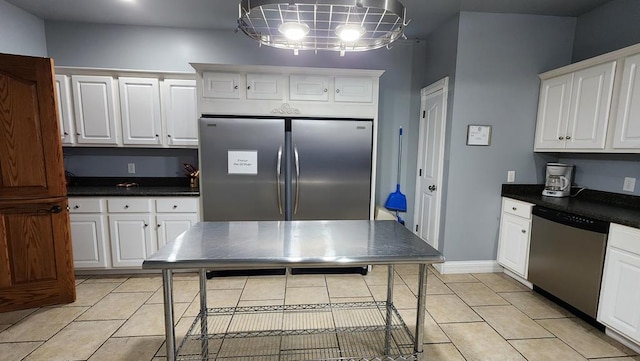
x=243, y=162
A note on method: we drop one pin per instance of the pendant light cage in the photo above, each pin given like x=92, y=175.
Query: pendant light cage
x=373, y=23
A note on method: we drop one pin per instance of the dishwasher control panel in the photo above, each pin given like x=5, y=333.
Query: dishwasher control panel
x=571, y=219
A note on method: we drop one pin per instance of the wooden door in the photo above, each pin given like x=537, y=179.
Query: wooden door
x=30, y=152
x=36, y=262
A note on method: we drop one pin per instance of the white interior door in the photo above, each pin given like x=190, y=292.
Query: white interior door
x=430, y=161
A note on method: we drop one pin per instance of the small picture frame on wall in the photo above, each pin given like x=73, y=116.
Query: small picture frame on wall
x=478, y=134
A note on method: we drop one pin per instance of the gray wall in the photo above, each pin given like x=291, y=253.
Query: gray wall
x=499, y=58
x=113, y=162
x=610, y=27
x=20, y=32
x=170, y=49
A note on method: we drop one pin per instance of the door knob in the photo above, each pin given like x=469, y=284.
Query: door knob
x=432, y=187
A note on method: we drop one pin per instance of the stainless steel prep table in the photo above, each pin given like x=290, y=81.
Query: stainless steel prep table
x=277, y=244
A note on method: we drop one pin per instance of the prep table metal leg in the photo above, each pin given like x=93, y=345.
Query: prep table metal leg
x=422, y=295
x=387, y=336
x=169, y=330
x=203, y=314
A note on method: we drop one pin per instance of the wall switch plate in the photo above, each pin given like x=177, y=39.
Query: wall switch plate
x=629, y=184
x=511, y=176
x=131, y=167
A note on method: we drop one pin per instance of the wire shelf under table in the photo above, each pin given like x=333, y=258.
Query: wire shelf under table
x=329, y=331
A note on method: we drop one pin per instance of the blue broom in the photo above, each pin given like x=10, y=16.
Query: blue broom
x=396, y=200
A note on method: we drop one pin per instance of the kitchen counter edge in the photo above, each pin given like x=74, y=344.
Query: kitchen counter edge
x=604, y=206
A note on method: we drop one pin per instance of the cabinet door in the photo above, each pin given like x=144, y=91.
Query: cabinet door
x=265, y=86
x=170, y=226
x=353, y=89
x=221, y=85
x=65, y=112
x=590, y=107
x=180, y=112
x=308, y=87
x=140, y=110
x=94, y=109
x=131, y=239
x=513, y=246
x=553, y=112
x=621, y=293
x=89, y=236
x=627, y=130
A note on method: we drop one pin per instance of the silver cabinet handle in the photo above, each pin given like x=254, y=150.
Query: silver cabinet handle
x=561, y=138
x=514, y=208
x=568, y=137
x=175, y=206
x=297, y=163
x=524, y=231
x=235, y=87
x=278, y=172
x=126, y=206
x=76, y=206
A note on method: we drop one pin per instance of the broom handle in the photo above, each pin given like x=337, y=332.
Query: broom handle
x=399, y=156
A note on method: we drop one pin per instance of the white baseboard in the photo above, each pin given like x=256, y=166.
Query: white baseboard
x=451, y=267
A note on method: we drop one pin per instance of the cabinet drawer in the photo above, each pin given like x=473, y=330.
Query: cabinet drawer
x=625, y=238
x=177, y=205
x=129, y=205
x=86, y=205
x=517, y=208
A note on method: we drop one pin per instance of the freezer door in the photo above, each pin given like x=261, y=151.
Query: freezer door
x=331, y=169
x=241, y=169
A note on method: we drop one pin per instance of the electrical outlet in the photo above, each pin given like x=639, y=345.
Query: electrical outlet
x=131, y=167
x=629, y=184
x=511, y=176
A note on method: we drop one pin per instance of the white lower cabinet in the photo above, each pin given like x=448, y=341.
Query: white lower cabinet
x=89, y=233
x=619, y=307
x=120, y=232
x=515, y=230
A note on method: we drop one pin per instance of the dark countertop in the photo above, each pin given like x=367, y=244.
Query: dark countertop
x=148, y=186
x=611, y=207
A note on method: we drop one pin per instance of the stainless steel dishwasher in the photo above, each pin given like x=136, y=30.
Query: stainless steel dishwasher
x=566, y=257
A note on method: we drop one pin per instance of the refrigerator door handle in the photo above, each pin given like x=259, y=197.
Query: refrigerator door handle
x=297, y=164
x=278, y=171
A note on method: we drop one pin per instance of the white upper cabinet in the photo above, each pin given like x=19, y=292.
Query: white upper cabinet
x=309, y=87
x=553, y=111
x=627, y=130
x=221, y=85
x=94, y=109
x=353, y=89
x=140, y=110
x=180, y=114
x=573, y=110
x=265, y=86
x=65, y=109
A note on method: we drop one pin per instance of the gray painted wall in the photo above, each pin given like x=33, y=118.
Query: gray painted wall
x=113, y=162
x=612, y=26
x=170, y=49
x=499, y=58
x=604, y=172
x=20, y=32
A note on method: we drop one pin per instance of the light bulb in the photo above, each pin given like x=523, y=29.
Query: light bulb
x=294, y=31
x=350, y=32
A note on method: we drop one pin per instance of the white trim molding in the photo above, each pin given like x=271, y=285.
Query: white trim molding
x=452, y=267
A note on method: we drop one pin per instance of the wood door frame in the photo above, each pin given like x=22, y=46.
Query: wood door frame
x=440, y=85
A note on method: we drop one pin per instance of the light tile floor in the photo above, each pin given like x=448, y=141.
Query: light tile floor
x=469, y=316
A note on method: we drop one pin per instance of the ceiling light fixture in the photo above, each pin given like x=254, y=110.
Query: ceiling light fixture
x=294, y=31
x=335, y=25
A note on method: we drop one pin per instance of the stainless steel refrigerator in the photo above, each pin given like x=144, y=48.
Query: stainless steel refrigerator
x=285, y=168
